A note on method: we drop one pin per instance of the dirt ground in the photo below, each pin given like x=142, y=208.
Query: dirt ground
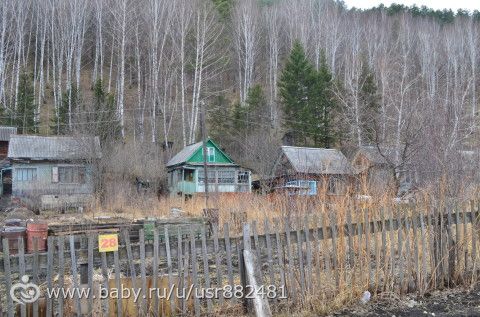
x=454, y=302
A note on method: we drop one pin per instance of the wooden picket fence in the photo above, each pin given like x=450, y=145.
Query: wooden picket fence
x=314, y=258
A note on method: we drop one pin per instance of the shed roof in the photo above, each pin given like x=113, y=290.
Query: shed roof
x=54, y=147
x=317, y=160
x=184, y=154
x=5, y=133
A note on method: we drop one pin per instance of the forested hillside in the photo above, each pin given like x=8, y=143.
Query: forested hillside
x=138, y=72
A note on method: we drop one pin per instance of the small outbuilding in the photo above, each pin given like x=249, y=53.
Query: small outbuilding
x=5, y=168
x=186, y=174
x=54, y=172
x=309, y=171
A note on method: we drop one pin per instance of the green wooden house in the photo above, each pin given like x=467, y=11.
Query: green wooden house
x=186, y=172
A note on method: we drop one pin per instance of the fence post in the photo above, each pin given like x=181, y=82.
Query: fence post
x=247, y=273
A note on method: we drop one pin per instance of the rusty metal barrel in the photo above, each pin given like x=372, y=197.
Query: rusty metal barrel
x=37, y=231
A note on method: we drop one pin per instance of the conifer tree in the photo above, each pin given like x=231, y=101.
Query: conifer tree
x=307, y=100
x=104, y=115
x=370, y=101
x=24, y=116
x=296, y=83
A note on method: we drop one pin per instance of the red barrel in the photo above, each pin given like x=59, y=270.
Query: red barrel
x=12, y=234
x=37, y=231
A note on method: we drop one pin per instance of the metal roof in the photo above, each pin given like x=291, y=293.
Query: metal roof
x=184, y=155
x=317, y=160
x=53, y=147
x=5, y=133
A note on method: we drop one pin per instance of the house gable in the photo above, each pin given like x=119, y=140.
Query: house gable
x=219, y=156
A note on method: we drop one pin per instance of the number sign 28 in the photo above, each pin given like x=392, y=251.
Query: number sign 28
x=108, y=242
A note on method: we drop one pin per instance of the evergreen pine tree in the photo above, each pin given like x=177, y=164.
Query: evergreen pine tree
x=296, y=82
x=60, y=123
x=370, y=101
x=322, y=107
x=104, y=116
x=24, y=117
x=307, y=99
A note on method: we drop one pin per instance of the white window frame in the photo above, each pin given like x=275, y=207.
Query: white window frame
x=25, y=174
x=211, y=154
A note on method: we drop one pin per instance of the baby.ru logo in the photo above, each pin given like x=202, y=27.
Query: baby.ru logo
x=24, y=292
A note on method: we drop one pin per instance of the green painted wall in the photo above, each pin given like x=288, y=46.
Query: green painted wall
x=220, y=157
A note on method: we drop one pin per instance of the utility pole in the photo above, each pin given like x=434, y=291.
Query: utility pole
x=203, y=127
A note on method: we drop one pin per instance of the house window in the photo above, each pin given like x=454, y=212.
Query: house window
x=25, y=174
x=201, y=177
x=188, y=175
x=242, y=178
x=335, y=186
x=71, y=174
x=210, y=154
x=226, y=177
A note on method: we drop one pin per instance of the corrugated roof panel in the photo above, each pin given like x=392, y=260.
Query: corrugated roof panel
x=184, y=154
x=317, y=160
x=54, y=147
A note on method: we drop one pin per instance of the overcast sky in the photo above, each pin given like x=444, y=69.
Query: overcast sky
x=434, y=4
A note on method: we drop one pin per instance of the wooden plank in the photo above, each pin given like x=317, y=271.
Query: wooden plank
x=117, y=283
x=91, y=239
x=61, y=268
x=21, y=269
x=262, y=308
x=368, y=268
x=169, y=268
x=50, y=250
x=36, y=279
x=474, y=242
x=423, y=234
x=415, y=250
x=318, y=251
x=228, y=250
x=408, y=256
x=301, y=266
x=291, y=287
x=257, y=246
x=376, y=244
x=196, y=284
x=400, y=251
x=8, y=276
x=155, y=269
x=74, y=277
x=392, y=244
x=271, y=272
x=351, y=251
x=336, y=267
x=465, y=240
x=308, y=247
x=106, y=286
x=131, y=264
x=281, y=262
x=143, y=273
x=458, y=242
x=326, y=247
x=451, y=248
x=181, y=273
x=246, y=245
x=206, y=271
x=384, y=238
x=185, y=267
x=218, y=262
